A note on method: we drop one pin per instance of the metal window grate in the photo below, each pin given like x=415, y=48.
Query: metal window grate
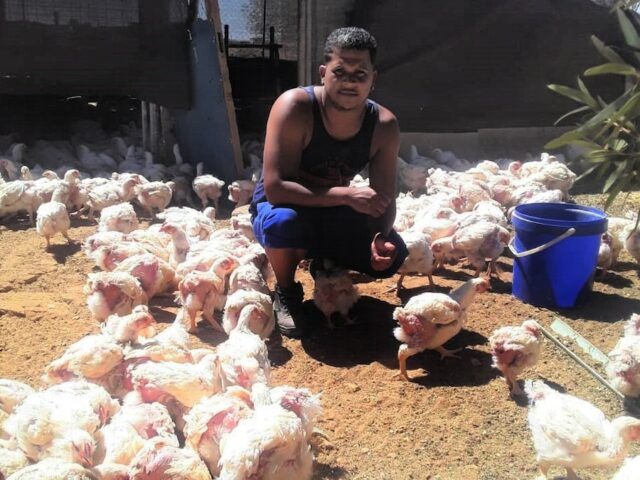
x=245, y=20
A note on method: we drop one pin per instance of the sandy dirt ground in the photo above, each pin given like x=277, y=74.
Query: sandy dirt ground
x=453, y=421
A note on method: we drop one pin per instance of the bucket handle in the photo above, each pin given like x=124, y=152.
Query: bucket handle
x=542, y=247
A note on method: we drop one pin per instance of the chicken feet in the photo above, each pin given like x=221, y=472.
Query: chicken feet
x=444, y=353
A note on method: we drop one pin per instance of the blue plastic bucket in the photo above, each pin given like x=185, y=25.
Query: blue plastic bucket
x=555, y=252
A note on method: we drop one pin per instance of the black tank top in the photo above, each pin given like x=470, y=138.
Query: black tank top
x=325, y=157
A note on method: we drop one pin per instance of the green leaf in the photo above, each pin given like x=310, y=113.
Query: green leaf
x=631, y=109
x=601, y=156
x=615, y=175
x=607, y=52
x=564, y=139
x=572, y=112
x=611, y=68
x=572, y=93
x=605, y=113
x=586, y=143
x=629, y=31
x=583, y=88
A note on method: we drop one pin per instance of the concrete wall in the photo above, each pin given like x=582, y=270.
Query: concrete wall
x=483, y=144
x=465, y=65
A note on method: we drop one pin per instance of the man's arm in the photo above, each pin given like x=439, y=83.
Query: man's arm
x=383, y=169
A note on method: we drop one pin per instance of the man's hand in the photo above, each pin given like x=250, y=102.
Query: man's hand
x=383, y=253
x=366, y=200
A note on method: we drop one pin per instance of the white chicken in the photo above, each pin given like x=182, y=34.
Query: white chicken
x=334, y=292
x=572, y=433
x=429, y=320
x=201, y=292
x=52, y=217
x=514, y=349
x=113, y=292
x=109, y=194
x=207, y=187
x=154, y=195
x=301, y=401
x=247, y=277
x=130, y=328
x=11, y=461
x=251, y=310
x=54, y=469
x=160, y=460
x=119, y=218
x=243, y=360
x=185, y=382
x=623, y=368
x=12, y=393
x=270, y=445
x=605, y=253
x=155, y=275
x=90, y=357
x=117, y=442
x=241, y=192
x=420, y=258
x=630, y=470
x=480, y=241
x=213, y=418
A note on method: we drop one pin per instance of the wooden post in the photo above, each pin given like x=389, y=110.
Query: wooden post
x=154, y=129
x=168, y=138
x=144, y=108
x=213, y=12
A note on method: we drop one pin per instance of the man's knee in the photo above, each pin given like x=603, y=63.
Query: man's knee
x=282, y=228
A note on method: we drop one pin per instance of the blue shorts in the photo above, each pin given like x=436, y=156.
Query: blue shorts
x=337, y=233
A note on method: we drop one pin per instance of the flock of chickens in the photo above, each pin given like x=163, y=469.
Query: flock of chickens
x=132, y=403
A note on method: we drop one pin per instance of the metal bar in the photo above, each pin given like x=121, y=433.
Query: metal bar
x=564, y=330
x=579, y=361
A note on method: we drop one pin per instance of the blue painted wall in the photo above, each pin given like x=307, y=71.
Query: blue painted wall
x=203, y=132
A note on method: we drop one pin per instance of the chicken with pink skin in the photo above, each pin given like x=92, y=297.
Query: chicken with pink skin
x=201, y=292
x=300, y=401
x=113, y=292
x=514, y=349
x=270, y=444
x=251, y=310
x=429, y=320
x=159, y=460
x=91, y=357
x=155, y=275
x=213, y=418
x=186, y=382
x=108, y=257
x=243, y=360
x=572, y=433
x=623, y=369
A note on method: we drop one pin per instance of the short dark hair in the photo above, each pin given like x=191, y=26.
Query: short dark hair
x=350, y=38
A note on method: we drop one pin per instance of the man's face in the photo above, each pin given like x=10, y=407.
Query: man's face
x=348, y=78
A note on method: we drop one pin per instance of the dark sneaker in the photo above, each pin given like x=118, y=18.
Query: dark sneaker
x=287, y=306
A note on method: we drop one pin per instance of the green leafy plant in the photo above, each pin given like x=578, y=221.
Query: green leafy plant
x=609, y=132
